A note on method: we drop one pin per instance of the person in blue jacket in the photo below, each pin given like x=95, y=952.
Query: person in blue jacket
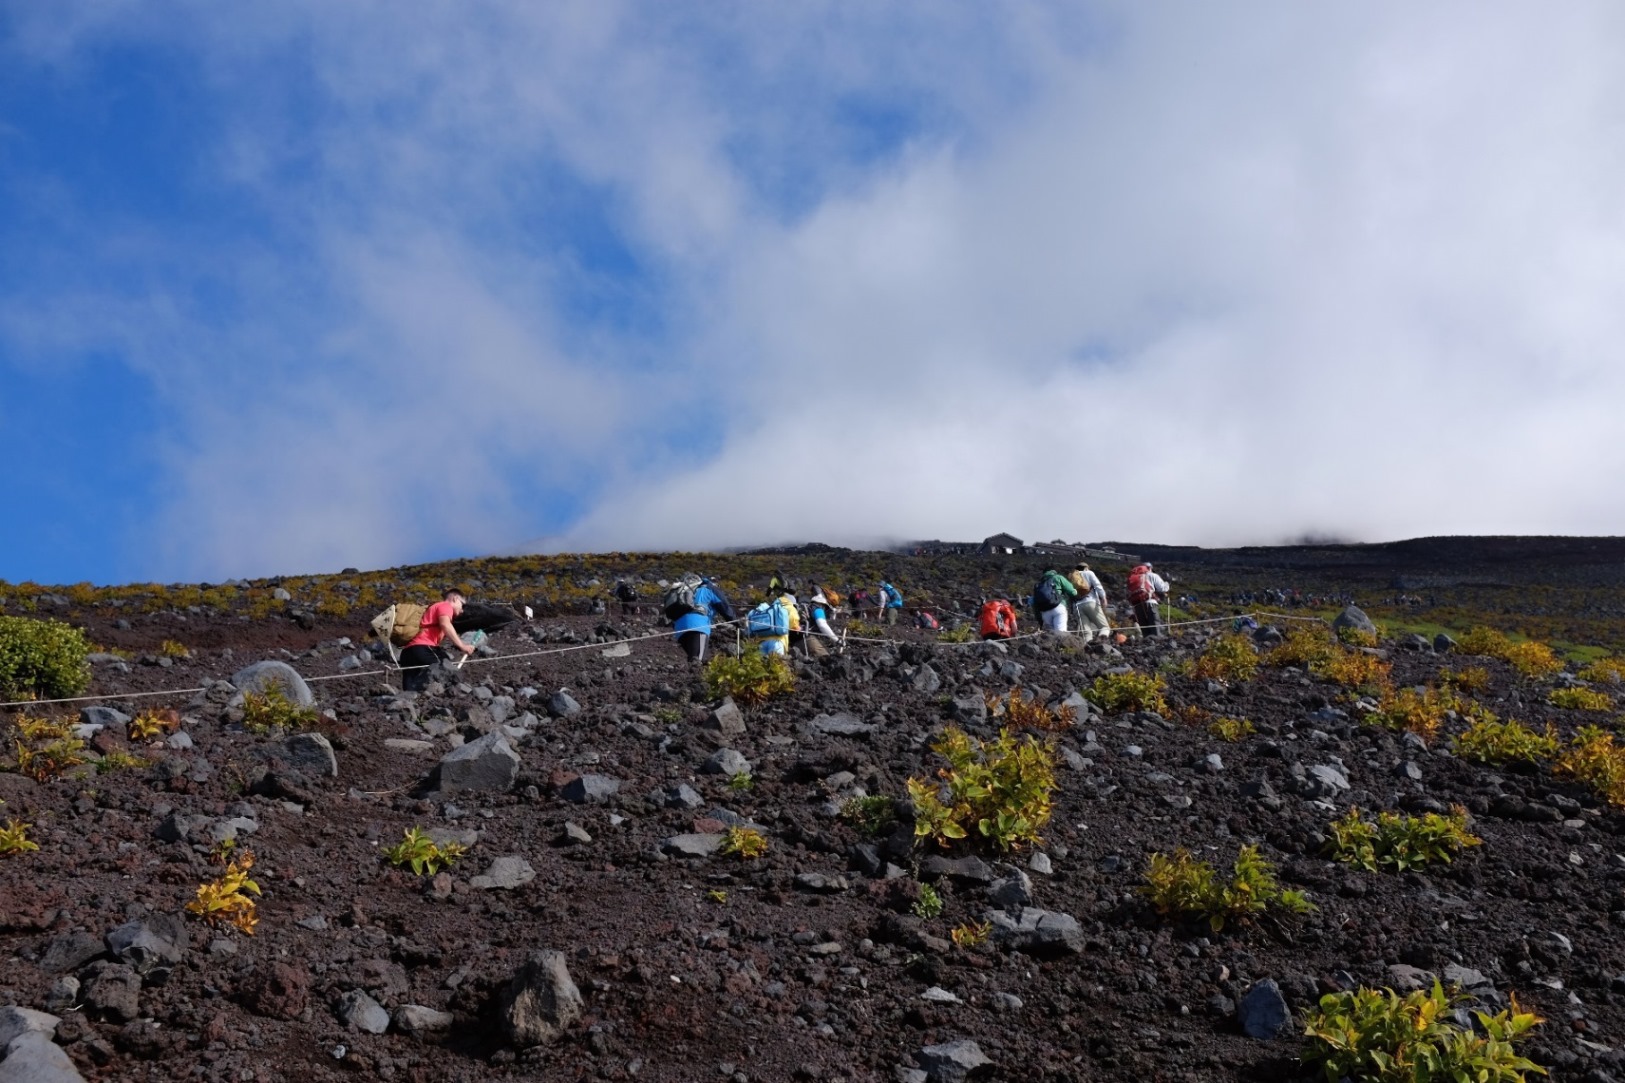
x=693, y=629
x=891, y=601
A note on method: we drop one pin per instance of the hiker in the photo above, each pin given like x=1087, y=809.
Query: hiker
x=1050, y=599
x=425, y=649
x=628, y=596
x=1146, y=590
x=779, y=584
x=690, y=605
x=890, y=602
x=1090, y=608
x=773, y=623
x=823, y=611
x=997, y=619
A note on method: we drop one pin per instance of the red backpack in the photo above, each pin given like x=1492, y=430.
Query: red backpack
x=1139, y=584
x=997, y=619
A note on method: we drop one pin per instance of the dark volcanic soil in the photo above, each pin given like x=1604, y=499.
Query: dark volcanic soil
x=717, y=967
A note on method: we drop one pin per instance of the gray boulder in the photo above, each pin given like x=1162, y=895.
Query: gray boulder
x=485, y=765
x=926, y=681
x=358, y=1011
x=726, y=761
x=1013, y=892
x=16, y=1021
x=727, y=719
x=590, y=789
x=1263, y=1013
x=970, y=707
x=692, y=845
x=159, y=940
x=279, y=675
x=33, y=1058
x=953, y=1062
x=1037, y=932
x=311, y=754
x=104, y=717
x=113, y=990
x=416, y=1019
x=563, y=705
x=838, y=725
x=1353, y=618
x=541, y=1002
x=505, y=874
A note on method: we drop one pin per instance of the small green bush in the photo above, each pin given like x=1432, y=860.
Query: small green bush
x=1000, y=791
x=1496, y=743
x=1231, y=658
x=1397, y=842
x=42, y=659
x=929, y=904
x=1114, y=692
x=1182, y=886
x=751, y=679
x=270, y=710
x=1580, y=699
x=1375, y=1034
x=869, y=815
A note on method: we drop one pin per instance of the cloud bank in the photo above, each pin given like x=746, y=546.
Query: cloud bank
x=655, y=276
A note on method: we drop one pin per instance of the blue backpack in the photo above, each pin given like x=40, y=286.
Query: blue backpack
x=768, y=619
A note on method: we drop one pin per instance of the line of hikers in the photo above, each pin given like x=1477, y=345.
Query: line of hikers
x=782, y=623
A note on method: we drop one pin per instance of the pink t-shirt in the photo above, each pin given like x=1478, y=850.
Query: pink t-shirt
x=430, y=633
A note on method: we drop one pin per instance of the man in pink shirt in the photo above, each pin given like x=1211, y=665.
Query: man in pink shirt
x=426, y=647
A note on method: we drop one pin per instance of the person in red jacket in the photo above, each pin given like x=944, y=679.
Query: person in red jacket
x=426, y=647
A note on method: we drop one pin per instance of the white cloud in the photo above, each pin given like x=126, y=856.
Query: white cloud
x=1176, y=273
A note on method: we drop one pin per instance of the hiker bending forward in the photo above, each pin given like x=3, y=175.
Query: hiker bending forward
x=693, y=629
x=1090, y=608
x=426, y=647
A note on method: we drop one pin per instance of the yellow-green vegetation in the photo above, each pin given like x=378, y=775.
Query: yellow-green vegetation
x=118, y=760
x=42, y=659
x=1580, y=699
x=1230, y=730
x=1356, y=637
x=751, y=679
x=1421, y=713
x=1528, y=657
x=1022, y=711
x=1596, y=762
x=1302, y=647
x=962, y=634
x=272, y=710
x=1115, y=692
x=1604, y=671
x=1398, y=842
x=1378, y=1036
x=152, y=723
x=46, y=747
x=1230, y=658
x=422, y=853
x=1352, y=669
x=225, y=900
x=747, y=842
x=972, y=934
x=14, y=839
x=998, y=792
x=869, y=815
x=1181, y=886
x=1497, y=743
x=717, y=895
x=171, y=649
x=862, y=629
x=929, y=903
x=1469, y=679
x=741, y=782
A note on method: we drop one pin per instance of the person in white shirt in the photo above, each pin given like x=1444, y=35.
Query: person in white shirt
x=1089, y=611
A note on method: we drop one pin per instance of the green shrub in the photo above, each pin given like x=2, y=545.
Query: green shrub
x=1302, y=647
x=1375, y=1034
x=1231, y=658
x=1182, y=886
x=929, y=904
x=1580, y=699
x=869, y=815
x=1496, y=743
x=422, y=853
x=1231, y=730
x=1529, y=658
x=751, y=679
x=1596, y=762
x=1399, y=842
x=998, y=792
x=271, y=710
x=962, y=634
x=42, y=659
x=1114, y=692
x=1421, y=713
x=1604, y=671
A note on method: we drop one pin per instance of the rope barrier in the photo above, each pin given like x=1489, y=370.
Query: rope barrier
x=388, y=668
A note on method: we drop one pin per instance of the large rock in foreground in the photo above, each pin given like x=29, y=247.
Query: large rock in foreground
x=541, y=1002
x=279, y=675
x=486, y=765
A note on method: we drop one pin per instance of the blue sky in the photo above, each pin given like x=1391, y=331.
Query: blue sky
x=341, y=282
